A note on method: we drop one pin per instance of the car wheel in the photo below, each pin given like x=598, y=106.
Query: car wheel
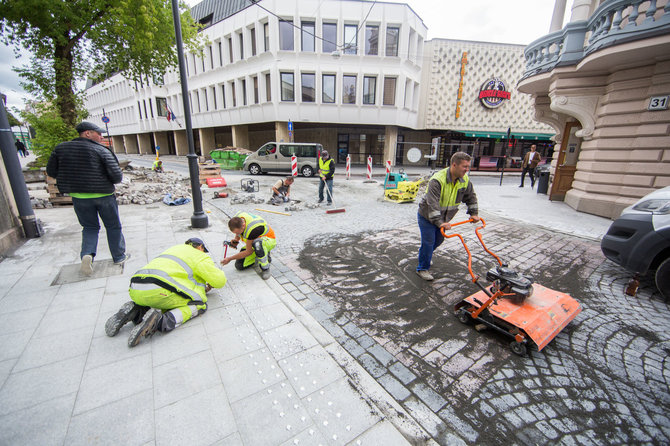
x=663, y=278
x=307, y=171
x=254, y=169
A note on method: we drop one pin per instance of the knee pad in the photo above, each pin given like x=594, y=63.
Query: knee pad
x=239, y=264
x=258, y=248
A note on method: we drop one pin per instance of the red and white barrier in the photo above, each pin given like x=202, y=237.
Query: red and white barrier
x=294, y=166
x=388, y=167
x=369, y=167
x=348, y=167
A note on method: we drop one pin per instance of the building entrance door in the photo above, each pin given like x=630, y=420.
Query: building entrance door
x=566, y=163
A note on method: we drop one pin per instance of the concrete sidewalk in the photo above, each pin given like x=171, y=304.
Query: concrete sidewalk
x=256, y=368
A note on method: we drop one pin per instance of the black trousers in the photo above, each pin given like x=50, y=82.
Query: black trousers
x=531, y=173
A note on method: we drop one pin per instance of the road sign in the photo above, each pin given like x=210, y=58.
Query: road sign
x=105, y=119
x=290, y=126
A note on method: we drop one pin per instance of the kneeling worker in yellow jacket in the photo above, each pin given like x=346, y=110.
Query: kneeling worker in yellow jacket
x=168, y=291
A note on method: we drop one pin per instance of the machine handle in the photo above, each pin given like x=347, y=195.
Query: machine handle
x=474, y=277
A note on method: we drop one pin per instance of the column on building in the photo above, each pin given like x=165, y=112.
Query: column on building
x=390, y=142
x=117, y=142
x=207, y=141
x=281, y=131
x=161, y=139
x=557, y=16
x=145, y=143
x=181, y=142
x=240, y=136
x=130, y=141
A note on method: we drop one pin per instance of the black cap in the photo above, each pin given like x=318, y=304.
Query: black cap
x=195, y=242
x=85, y=125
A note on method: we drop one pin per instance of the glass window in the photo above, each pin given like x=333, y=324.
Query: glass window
x=308, y=36
x=287, y=92
x=151, y=108
x=214, y=97
x=389, y=90
x=255, y=89
x=230, y=49
x=220, y=54
x=204, y=93
x=241, y=37
x=369, y=89
x=329, y=42
x=348, y=89
x=253, y=41
x=232, y=92
x=308, y=85
x=350, y=39
x=244, y=92
x=223, y=95
x=211, y=57
x=328, y=89
x=392, y=35
x=268, y=87
x=161, y=107
x=371, y=40
x=286, y=35
x=266, y=36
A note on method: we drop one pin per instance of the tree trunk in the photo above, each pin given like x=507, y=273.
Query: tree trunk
x=65, y=97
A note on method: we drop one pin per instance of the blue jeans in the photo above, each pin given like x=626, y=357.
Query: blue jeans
x=87, y=210
x=431, y=238
x=329, y=183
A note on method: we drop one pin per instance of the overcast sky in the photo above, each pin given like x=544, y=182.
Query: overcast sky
x=509, y=21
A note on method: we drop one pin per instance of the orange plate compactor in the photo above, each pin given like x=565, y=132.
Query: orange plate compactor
x=513, y=305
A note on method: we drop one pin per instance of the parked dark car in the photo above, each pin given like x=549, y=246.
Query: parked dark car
x=639, y=240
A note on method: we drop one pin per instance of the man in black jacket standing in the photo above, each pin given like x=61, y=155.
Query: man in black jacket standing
x=88, y=171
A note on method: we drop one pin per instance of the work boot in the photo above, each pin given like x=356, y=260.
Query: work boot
x=425, y=274
x=87, y=265
x=128, y=312
x=265, y=274
x=147, y=328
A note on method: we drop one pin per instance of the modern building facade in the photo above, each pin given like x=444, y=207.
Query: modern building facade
x=356, y=76
x=602, y=82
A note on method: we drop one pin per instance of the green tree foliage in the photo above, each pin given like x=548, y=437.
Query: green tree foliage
x=50, y=130
x=70, y=40
x=13, y=122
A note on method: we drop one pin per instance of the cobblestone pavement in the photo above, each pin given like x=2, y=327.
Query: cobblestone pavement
x=602, y=380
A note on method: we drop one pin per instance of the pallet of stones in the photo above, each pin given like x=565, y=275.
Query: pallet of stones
x=55, y=197
x=208, y=170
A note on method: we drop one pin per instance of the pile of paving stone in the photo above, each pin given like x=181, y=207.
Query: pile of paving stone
x=144, y=186
x=40, y=203
x=246, y=198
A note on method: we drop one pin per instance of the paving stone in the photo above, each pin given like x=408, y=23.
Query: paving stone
x=288, y=340
x=394, y=387
x=271, y=316
x=52, y=417
x=172, y=427
x=310, y=370
x=174, y=381
x=429, y=397
x=41, y=351
x=381, y=354
x=353, y=347
x=236, y=341
x=370, y=364
x=463, y=427
x=115, y=423
x=353, y=330
x=275, y=412
x=402, y=373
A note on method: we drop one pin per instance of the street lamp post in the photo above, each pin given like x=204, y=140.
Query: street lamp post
x=199, y=218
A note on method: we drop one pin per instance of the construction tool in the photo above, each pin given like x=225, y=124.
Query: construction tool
x=331, y=211
x=513, y=305
x=220, y=194
x=399, y=189
x=249, y=185
x=272, y=212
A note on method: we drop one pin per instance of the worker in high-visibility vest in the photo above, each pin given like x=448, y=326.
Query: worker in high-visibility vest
x=446, y=190
x=326, y=172
x=259, y=239
x=168, y=291
x=158, y=166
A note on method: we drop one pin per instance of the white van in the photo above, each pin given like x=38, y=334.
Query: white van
x=276, y=157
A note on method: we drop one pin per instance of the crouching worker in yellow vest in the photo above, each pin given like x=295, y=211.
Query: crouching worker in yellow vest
x=259, y=239
x=168, y=291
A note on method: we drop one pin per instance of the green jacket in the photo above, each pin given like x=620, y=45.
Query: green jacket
x=181, y=269
x=443, y=195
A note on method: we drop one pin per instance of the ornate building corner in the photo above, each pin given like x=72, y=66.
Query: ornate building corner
x=583, y=108
x=544, y=114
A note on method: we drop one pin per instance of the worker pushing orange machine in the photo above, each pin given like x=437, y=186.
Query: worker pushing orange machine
x=513, y=305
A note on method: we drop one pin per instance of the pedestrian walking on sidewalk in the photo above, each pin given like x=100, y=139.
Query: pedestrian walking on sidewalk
x=446, y=190
x=88, y=171
x=259, y=239
x=281, y=191
x=326, y=172
x=168, y=291
x=21, y=148
x=530, y=162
